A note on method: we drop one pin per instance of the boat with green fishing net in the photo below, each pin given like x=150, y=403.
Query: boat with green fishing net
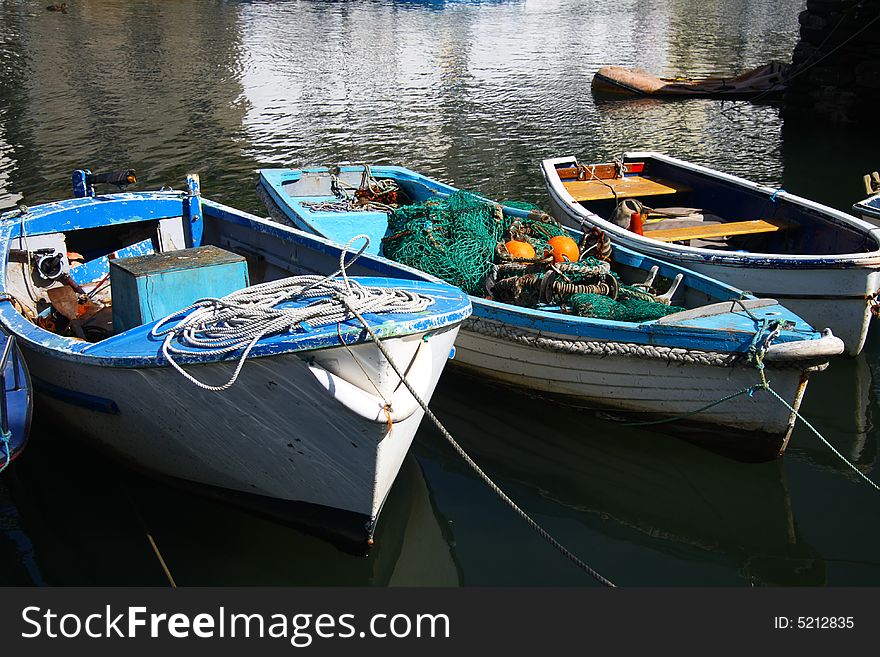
x=571, y=315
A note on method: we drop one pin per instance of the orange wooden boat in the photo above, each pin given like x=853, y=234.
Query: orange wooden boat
x=767, y=81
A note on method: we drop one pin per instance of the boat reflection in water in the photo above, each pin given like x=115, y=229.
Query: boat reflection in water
x=87, y=525
x=847, y=423
x=634, y=486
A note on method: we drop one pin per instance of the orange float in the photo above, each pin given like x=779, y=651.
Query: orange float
x=564, y=248
x=522, y=250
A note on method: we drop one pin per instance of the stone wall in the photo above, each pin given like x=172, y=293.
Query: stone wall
x=836, y=62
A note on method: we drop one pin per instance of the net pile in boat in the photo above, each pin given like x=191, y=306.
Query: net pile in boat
x=622, y=309
x=461, y=239
x=453, y=239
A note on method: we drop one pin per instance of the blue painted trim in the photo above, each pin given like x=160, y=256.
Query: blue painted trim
x=136, y=349
x=192, y=211
x=80, y=182
x=101, y=210
x=75, y=398
x=19, y=407
x=870, y=207
x=378, y=266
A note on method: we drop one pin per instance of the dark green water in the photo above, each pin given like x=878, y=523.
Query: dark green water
x=474, y=93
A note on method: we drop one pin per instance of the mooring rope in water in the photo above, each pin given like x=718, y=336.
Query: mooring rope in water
x=240, y=320
x=750, y=390
x=823, y=439
x=161, y=560
x=153, y=545
x=476, y=468
x=757, y=356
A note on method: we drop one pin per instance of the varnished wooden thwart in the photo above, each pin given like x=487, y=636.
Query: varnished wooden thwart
x=592, y=171
x=627, y=187
x=707, y=231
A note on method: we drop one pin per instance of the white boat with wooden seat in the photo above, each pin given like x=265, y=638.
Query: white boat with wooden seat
x=822, y=263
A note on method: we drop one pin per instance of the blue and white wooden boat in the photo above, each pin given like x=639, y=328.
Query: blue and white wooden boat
x=664, y=368
x=821, y=263
x=15, y=401
x=316, y=425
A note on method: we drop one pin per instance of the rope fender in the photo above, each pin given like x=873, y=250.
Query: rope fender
x=601, y=348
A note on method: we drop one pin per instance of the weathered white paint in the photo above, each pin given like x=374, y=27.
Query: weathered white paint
x=640, y=385
x=277, y=432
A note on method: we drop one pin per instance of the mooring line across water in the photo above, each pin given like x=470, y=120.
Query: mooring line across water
x=153, y=545
x=476, y=468
x=750, y=390
x=824, y=440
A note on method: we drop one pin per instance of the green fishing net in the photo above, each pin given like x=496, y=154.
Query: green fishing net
x=626, y=309
x=453, y=239
x=456, y=239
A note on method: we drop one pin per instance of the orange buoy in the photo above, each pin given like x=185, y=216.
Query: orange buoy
x=522, y=250
x=564, y=248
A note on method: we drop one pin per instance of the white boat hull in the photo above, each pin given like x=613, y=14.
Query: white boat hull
x=277, y=436
x=644, y=387
x=828, y=291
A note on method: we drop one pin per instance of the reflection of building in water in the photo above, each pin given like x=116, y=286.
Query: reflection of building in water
x=346, y=81
x=729, y=36
x=698, y=39
x=11, y=77
x=124, y=84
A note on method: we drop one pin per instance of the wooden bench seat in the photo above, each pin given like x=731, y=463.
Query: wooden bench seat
x=708, y=231
x=621, y=188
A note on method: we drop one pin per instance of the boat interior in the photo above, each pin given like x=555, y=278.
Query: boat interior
x=102, y=277
x=308, y=190
x=692, y=208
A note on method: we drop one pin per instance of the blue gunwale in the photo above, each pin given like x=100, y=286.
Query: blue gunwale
x=726, y=332
x=735, y=260
x=869, y=207
x=136, y=349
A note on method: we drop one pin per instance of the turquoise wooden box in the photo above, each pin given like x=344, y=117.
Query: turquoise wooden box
x=147, y=288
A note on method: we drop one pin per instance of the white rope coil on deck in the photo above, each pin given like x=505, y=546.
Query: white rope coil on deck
x=215, y=327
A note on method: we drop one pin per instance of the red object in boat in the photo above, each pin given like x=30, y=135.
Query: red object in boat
x=635, y=223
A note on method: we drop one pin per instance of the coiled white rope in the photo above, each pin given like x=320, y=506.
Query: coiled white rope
x=240, y=320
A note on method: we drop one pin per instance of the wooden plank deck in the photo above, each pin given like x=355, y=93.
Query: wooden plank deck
x=707, y=231
x=626, y=187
